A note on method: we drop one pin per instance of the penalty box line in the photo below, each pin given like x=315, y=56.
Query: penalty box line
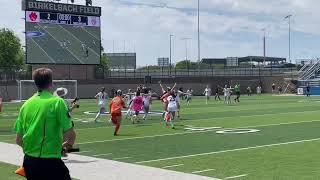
x=204, y=119
x=192, y=132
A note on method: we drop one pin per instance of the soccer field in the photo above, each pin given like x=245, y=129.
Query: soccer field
x=285, y=146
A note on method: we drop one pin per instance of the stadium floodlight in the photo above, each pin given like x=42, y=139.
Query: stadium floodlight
x=170, y=54
x=26, y=88
x=186, y=45
x=289, y=21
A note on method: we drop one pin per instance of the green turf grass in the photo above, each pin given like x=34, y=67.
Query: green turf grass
x=7, y=172
x=291, y=120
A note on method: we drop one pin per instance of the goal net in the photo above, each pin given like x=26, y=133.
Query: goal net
x=27, y=88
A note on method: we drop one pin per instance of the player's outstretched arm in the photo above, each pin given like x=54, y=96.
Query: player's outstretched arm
x=162, y=89
x=174, y=86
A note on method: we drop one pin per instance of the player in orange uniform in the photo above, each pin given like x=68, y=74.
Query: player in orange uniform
x=115, y=107
x=165, y=95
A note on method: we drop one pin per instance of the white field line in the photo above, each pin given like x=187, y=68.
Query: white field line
x=81, y=152
x=58, y=43
x=171, y=166
x=90, y=34
x=51, y=59
x=258, y=115
x=234, y=177
x=205, y=170
x=193, y=132
x=78, y=39
x=107, y=154
x=122, y=158
x=231, y=150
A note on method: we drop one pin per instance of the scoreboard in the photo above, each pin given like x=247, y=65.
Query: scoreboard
x=58, y=33
x=60, y=18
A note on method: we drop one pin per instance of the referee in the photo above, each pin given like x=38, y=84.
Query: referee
x=43, y=124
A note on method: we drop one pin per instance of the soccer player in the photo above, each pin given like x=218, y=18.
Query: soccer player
x=273, y=86
x=129, y=97
x=101, y=98
x=137, y=106
x=172, y=108
x=189, y=96
x=259, y=90
x=225, y=93
x=249, y=91
x=307, y=91
x=115, y=107
x=280, y=89
x=165, y=95
x=217, y=95
x=237, y=90
x=147, y=101
x=207, y=93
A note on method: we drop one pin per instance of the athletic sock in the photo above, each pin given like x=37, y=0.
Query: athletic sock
x=116, y=129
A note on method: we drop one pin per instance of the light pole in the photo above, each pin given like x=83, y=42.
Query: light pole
x=186, y=43
x=289, y=21
x=199, y=37
x=170, y=60
x=264, y=45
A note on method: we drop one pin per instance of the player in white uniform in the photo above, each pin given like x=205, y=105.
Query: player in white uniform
x=147, y=101
x=259, y=90
x=129, y=96
x=101, y=97
x=207, y=93
x=189, y=96
x=227, y=94
x=172, y=108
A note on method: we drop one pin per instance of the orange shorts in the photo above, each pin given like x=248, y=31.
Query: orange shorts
x=115, y=117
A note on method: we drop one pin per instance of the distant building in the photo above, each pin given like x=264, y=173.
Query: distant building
x=122, y=60
x=163, y=62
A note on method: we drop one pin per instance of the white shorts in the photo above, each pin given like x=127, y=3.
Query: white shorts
x=173, y=109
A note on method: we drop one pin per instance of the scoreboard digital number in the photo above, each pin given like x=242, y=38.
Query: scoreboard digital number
x=59, y=18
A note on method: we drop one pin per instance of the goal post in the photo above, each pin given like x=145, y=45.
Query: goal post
x=27, y=88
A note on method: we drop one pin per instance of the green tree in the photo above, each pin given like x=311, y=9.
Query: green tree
x=185, y=64
x=11, y=55
x=105, y=62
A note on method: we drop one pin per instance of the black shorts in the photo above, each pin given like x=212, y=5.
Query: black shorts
x=238, y=93
x=45, y=168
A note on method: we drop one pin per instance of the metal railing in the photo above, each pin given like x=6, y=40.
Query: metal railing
x=163, y=73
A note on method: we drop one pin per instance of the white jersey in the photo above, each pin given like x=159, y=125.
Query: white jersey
x=147, y=100
x=259, y=90
x=172, y=104
x=227, y=91
x=189, y=94
x=102, y=97
x=207, y=92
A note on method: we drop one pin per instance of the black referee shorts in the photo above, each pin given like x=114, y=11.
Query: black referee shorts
x=45, y=169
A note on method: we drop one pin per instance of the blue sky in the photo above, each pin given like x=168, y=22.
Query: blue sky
x=228, y=27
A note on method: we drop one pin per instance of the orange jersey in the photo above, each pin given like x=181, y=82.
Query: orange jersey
x=164, y=97
x=116, y=105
